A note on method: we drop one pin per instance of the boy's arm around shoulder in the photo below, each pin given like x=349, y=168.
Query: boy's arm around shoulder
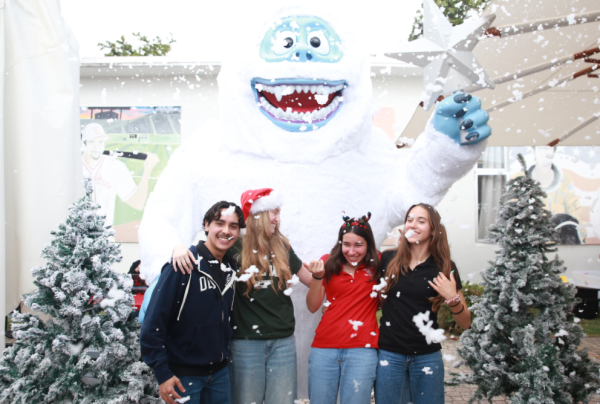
x=162, y=308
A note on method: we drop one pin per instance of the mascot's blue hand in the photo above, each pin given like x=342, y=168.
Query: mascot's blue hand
x=461, y=118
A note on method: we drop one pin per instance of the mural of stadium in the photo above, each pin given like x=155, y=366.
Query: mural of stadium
x=124, y=151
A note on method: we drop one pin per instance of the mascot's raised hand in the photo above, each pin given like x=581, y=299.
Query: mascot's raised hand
x=461, y=118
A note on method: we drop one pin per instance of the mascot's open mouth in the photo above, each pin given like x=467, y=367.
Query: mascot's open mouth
x=298, y=104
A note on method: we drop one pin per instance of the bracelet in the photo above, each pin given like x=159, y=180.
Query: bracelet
x=314, y=277
x=454, y=299
x=454, y=305
x=463, y=309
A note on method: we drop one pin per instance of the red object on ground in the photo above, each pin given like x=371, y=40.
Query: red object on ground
x=138, y=299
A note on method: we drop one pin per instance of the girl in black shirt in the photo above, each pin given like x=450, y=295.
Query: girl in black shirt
x=421, y=277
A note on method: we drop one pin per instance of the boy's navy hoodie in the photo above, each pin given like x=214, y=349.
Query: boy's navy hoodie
x=186, y=331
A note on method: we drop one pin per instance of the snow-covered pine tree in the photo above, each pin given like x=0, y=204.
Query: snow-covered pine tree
x=524, y=340
x=88, y=351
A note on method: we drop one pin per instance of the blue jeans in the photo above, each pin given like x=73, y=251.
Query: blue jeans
x=213, y=389
x=405, y=379
x=263, y=370
x=351, y=371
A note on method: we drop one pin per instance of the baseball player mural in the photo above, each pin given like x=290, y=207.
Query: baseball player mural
x=111, y=177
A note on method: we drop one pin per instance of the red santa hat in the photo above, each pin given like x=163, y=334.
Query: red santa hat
x=260, y=200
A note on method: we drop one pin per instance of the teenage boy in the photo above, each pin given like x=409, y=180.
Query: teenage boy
x=186, y=333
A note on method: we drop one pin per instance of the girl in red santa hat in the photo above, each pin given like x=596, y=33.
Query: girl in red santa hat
x=263, y=349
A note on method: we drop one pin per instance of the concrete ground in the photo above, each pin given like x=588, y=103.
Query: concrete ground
x=462, y=394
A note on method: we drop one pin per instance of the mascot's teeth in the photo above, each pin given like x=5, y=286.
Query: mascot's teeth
x=285, y=89
x=309, y=117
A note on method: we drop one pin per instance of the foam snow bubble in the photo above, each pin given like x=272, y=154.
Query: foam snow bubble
x=424, y=325
x=382, y=284
x=427, y=370
x=113, y=295
x=561, y=333
x=384, y=362
x=327, y=303
x=409, y=234
x=355, y=324
x=229, y=211
x=248, y=274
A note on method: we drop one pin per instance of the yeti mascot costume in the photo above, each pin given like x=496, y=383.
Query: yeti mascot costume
x=295, y=116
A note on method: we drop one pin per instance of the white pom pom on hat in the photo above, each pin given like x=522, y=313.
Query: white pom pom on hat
x=260, y=200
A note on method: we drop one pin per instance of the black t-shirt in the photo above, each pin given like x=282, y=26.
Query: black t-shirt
x=409, y=297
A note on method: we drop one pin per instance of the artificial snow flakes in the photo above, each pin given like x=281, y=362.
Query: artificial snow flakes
x=425, y=327
x=183, y=399
x=248, y=274
x=327, y=303
x=387, y=323
x=382, y=284
x=383, y=362
x=114, y=294
x=355, y=324
x=427, y=370
x=229, y=211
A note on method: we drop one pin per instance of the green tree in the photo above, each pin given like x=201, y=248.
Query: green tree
x=88, y=351
x=150, y=47
x=523, y=343
x=455, y=11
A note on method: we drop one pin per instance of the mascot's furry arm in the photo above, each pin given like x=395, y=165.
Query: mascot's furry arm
x=172, y=215
x=448, y=149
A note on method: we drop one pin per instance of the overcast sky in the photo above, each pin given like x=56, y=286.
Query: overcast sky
x=201, y=28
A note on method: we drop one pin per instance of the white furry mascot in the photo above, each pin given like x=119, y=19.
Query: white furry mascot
x=295, y=115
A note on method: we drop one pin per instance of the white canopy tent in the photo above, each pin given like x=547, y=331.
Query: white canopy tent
x=545, y=83
x=40, y=173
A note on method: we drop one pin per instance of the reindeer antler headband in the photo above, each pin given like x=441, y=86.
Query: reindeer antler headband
x=362, y=222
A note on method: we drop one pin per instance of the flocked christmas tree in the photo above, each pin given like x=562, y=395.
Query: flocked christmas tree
x=88, y=351
x=524, y=340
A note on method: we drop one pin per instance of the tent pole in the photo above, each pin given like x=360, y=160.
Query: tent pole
x=574, y=130
x=542, y=25
x=560, y=81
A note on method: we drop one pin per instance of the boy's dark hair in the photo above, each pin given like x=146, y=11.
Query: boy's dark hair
x=214, y=213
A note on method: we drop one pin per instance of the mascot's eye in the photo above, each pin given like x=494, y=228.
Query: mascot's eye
x=318, y=41
x=283, y=42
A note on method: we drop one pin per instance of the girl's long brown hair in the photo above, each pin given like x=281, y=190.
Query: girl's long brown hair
x=438, y=248
x=270, y=248
x=336, y=259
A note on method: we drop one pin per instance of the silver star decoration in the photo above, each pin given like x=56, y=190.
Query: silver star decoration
x=445, y=54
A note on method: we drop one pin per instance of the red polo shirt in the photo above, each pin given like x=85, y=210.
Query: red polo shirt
x=351, y=305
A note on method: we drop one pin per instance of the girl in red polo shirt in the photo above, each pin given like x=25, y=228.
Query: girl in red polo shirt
x=344, y=352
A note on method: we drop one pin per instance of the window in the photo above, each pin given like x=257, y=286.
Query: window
x=492, y=175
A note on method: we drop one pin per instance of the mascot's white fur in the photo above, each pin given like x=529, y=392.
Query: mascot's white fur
x=321, y=170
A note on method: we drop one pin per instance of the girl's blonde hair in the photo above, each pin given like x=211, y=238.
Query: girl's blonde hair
x=271, y=249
